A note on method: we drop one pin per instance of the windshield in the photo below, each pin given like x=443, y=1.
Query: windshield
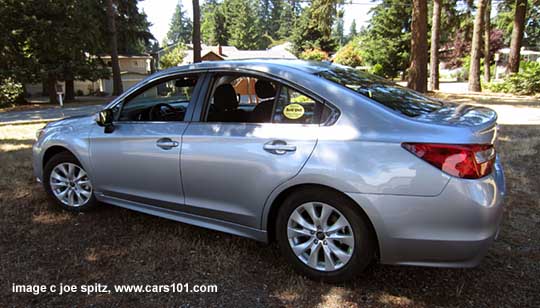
x=403, y=100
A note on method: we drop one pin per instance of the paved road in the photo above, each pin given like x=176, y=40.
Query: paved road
x=48, y=114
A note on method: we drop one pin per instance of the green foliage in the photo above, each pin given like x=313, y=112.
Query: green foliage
x=314, y=54
x=180, y=27
x=387, y=40
x=213, y=30
x=505, y=21
x=243, y=29
x=314, y=30
x=231, y=22
x=338, y=31
x=352, y=31
x=526, y=81
x=132, y=27
x=11, y=92
x=349, y=55
x=377, y=69
x=288, y=19
x=60, y=39
x=172, y=57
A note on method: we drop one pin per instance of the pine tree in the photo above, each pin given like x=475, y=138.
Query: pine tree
x=117, y=80
x=338, y=30
x=435, y=39
x=353, y=32
x=243, y=28
x=180, y=28
x=517, y=36
x=419, y=55
x=386, y=42
x=314, y=30
x=288, y=19
x=213, y=30
x=476, y=51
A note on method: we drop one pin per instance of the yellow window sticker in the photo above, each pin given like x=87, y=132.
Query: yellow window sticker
x=293, y=111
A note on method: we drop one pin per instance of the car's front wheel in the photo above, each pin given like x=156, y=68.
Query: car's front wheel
x=324, y=236
x=68, y=183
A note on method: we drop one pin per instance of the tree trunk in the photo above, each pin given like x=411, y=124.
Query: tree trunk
x=476, y=52
x=487, y=32
x=419, y=54
x=117, y=79
x=70, y=84
x=435, y=34
x=51, y=87
x=196, y=32
x=517, y=36
x=44, y=85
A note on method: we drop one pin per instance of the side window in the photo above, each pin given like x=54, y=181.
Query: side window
x=295, y=107
x=247, y=99
x=164, y=101
x=241, y=99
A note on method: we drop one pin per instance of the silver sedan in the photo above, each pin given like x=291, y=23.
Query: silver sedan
x=339, y=167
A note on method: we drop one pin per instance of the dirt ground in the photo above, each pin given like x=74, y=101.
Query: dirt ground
x=42, y=245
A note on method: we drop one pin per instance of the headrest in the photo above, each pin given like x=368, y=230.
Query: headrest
x=264, y=89
x=225, y=98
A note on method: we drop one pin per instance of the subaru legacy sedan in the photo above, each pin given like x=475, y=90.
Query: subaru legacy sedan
x=339, y=167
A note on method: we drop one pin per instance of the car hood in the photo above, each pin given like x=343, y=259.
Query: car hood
x=75, y=120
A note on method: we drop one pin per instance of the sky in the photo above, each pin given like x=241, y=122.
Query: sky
x=160, y=12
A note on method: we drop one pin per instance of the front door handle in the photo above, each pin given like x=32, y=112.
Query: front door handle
x=278, y=147
x=166, y=143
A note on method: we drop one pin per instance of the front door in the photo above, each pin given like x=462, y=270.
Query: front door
x=238, y=153
x=140, y=160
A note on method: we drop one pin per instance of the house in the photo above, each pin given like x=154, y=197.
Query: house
x=219, y=53
x=133, y=68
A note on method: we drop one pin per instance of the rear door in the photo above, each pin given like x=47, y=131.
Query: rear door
x=230, y=168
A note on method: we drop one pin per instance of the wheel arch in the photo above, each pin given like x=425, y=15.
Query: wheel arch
x=52, y=151
x=270, y=223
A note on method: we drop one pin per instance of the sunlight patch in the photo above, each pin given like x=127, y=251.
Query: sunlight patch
x=50, y=218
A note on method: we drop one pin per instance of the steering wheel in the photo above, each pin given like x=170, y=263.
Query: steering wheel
x=162, y=111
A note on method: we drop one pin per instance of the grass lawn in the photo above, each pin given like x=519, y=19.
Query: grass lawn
x=41, y=244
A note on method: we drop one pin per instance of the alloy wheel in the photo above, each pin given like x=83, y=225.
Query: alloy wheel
x=70, y=184
x=320, y=236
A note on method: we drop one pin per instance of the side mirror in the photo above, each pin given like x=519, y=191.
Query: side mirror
x=105, y=119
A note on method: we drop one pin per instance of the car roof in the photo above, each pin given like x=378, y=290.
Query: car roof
x=311, y=67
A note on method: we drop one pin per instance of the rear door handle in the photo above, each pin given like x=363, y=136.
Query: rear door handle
x=278, y=147
x=166, y=143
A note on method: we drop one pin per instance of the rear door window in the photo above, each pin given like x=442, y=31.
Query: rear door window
x=294, y=107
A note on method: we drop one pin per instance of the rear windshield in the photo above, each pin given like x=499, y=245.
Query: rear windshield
x=400, y=99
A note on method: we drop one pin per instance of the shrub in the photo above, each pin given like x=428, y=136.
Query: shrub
x=377, y=69
x=349, y=55
x=314, y=54
x=80, y=92
x=526, y=81
x=11, y=92
x=172, y=57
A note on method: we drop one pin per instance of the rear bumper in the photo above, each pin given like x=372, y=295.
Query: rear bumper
x=453, y=229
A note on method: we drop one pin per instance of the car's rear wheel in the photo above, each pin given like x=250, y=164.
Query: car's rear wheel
x=68, y=183
x=324, y=236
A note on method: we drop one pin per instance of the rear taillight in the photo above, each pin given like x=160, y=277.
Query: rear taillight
x=469, y=161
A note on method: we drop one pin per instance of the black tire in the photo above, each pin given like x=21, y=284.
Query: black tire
x=364, y=240
x=64, y=157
